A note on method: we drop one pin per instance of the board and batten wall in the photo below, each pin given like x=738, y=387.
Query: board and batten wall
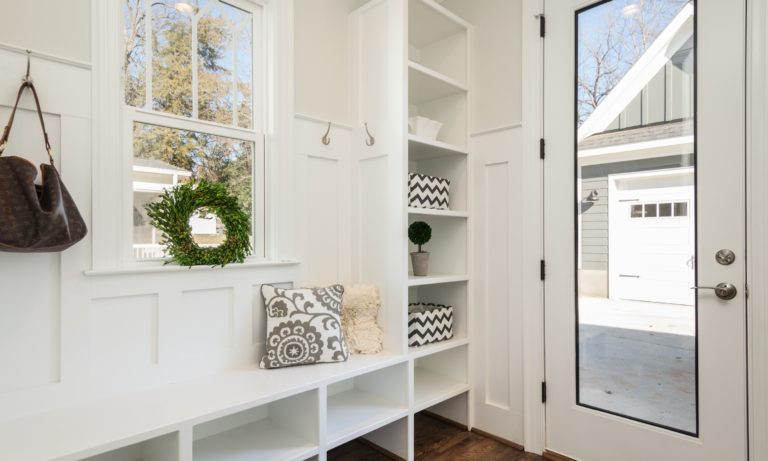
x=68, y=334
x=498, y=167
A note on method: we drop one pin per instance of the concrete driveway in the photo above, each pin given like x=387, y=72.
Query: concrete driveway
x=639, y=359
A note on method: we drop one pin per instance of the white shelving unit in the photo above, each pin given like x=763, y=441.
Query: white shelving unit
x=439, y=89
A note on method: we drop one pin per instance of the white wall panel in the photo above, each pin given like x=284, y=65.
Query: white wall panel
x=204, y=323
x=29, y=320
x=50, y=26
x=497, y=326
x=124, y=334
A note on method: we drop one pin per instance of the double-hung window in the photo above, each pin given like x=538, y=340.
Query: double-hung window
x=193, y=101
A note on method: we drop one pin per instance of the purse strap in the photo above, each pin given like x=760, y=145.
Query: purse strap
x=7, y=131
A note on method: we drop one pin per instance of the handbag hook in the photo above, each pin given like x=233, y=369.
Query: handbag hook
x=326, y=139
x=27, y=78
x=370, y=140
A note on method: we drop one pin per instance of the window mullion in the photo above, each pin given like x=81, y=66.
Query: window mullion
x=184, y=123
x=194, y=67
x=148, y=49
x=234, y=79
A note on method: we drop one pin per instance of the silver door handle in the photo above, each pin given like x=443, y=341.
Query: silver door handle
x=722, y=290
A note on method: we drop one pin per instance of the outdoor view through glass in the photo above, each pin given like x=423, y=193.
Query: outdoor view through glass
x=635, y=202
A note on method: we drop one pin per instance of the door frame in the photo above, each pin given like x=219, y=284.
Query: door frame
x=757, y=225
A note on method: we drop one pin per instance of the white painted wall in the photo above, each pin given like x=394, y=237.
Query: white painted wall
x=33, y=24
x=321, y=47
x=496, y=60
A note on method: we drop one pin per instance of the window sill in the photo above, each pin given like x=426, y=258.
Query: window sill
x=151, y=268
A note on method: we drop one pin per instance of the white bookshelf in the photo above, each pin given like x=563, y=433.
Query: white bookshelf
x=439, y=89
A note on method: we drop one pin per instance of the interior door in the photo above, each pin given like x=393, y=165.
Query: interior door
x=637, y=95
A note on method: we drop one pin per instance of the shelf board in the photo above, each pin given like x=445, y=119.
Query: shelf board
x=353, y=413
x=431, y=388
x=433, y=212
x=414, y=281
x=426, y=149
x=425, y=84
x=262, y=440
x=423, y=351
x=430, y=22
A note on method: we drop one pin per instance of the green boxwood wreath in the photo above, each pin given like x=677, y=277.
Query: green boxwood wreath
x=171, y=216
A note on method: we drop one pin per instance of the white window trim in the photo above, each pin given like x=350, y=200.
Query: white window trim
x=111, y=229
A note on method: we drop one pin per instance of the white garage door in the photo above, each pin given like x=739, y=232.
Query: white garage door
x=651, y=246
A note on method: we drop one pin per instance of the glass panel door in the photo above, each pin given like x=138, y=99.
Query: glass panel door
x=636, y=222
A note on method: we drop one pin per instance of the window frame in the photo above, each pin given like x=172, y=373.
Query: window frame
x=262, y=68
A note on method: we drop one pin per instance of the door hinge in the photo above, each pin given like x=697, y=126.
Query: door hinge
x=542, y=25
x=542, y=269
x=543, y=392
x=542, y=148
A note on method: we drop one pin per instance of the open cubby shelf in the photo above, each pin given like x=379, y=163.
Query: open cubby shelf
x=364, y=403
x=420, y=148
x=281, y=430
x=165, y=447
x=425, y=84
x=440, y=376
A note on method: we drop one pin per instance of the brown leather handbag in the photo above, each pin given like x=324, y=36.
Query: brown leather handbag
x=35, y=219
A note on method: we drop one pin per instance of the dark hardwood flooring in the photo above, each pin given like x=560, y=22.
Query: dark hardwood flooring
x=436, y=440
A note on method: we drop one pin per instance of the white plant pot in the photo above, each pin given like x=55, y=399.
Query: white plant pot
x=424, y=127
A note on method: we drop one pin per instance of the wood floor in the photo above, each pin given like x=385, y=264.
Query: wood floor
x=438, y=441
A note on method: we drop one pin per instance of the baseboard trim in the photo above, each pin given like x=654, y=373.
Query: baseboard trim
x=498, y=439
x=380, y=449
x=453, y=423
x=554, y=456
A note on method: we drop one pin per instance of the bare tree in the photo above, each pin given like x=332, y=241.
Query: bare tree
x=612, y=38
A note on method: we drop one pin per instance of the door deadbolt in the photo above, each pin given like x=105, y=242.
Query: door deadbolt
x=725, y=257
x=722, y=290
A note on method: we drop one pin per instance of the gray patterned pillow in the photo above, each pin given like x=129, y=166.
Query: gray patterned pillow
x=303, y=326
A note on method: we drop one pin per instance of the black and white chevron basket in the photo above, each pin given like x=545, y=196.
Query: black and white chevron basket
x=426, y=191
x=429, y=323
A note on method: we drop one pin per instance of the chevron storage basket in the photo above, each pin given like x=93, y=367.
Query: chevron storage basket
x=426, y=191
x=429, y=323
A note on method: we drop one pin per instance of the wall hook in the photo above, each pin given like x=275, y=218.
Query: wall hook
x=27, y=78
x=370, y=140
x=326, y=139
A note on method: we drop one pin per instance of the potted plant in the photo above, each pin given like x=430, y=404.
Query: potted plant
x=420, y=233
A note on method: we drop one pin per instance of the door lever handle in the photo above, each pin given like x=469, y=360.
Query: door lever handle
x=722, y=290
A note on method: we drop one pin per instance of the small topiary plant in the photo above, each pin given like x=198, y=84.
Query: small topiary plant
x=419, y=233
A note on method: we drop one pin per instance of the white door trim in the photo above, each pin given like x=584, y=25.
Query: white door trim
x=533, y=232
x=757, y=226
